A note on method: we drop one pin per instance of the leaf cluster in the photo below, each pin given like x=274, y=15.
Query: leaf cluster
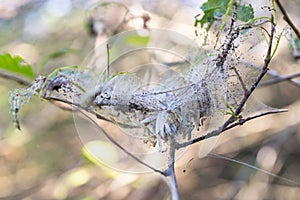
x=16, y=65
x=216, y=9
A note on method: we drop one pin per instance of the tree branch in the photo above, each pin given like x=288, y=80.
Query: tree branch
x=287, y=18
x=170, y=172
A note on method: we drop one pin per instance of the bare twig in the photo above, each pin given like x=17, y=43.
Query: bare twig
x=117, y=144
x=17, y=79
x=242, y=121
x=275, y=75
x=281, y=79
x=293, y=183
x=108, y=62
x=240, y=79
x=287, y=18
x=221, y=129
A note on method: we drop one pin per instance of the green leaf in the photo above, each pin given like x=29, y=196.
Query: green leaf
x=212, y=9
x=208, y=18
x=245, y=13
x=16, y=65
x=219, y=5
x=215, y=9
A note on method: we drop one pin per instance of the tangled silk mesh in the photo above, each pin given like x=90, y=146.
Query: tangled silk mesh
x=155, y=98
x=159, y=86
x=155, y=94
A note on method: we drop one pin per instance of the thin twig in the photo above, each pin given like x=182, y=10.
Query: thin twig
x=54, y=99
x=275, y=75
x=242, y=121
x=293, y=183
x=281, y=79
x=111, y=139
x=221, y=129
x=287, y=18
x=230, y=3
x=17, y=79
x=240, y=78
x=108, y=64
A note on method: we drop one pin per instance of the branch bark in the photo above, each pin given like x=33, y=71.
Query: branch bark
x=287, y=18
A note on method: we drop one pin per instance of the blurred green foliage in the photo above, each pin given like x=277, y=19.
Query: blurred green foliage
x=16, y=65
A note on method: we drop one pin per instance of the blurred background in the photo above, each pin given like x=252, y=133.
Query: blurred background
x=46, y=160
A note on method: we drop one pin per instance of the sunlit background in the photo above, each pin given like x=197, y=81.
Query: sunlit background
x=46, y=160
